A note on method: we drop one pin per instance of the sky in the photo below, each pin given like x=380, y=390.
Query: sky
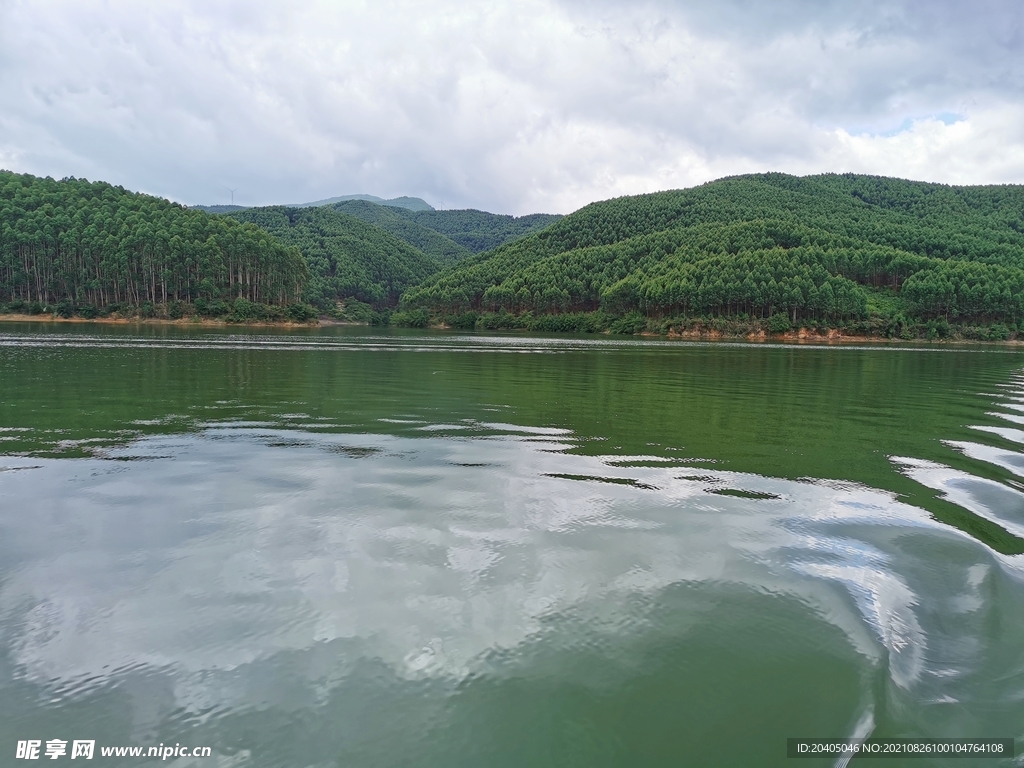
x=512, y=107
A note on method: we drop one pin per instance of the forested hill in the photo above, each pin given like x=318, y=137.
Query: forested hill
x=818, y=248
x=446, y=235
x=347, y=258
x=480, y=231
x=404, y=228
x=90, y=245
x=868, y=253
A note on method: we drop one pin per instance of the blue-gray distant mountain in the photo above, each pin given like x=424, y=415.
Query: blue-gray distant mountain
x=218, y=208
x=409, y=203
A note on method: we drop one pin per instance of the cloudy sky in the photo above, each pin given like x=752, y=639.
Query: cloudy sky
x=513, y=107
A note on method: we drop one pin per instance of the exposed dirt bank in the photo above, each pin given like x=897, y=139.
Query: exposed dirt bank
x=812, y=336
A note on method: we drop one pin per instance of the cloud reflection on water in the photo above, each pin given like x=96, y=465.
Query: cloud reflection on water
x=244, y=545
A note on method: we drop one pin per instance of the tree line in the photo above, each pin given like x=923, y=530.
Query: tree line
x=91, y=243
x=813, y=248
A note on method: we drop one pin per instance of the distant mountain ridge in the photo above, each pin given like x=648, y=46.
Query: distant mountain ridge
x=409, y=203
x=221, y=209
x=405, y=202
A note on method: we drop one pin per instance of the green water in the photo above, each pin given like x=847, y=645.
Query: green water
x=342, y=547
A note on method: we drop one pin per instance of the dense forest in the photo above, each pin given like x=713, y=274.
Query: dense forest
x=85, y=246
x=77, y=247
x=447, y=235
x=347, y=258
x=403, y=227
x=831, y=249
x=755, y=253
x=479, y=231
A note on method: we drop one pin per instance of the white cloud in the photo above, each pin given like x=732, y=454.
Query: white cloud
x=987, y=148
x=517, y=107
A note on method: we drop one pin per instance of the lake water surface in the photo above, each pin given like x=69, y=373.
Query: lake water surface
x=351, y=547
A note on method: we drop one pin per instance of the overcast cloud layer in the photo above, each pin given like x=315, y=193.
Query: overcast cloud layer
x=516, y=107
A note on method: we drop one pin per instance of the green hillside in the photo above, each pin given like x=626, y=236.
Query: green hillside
x=347, y=258
x=77, y=246
x=841, y=250
x=405, y=228
x=764, y=252
x=446, y=235
x=479, y=231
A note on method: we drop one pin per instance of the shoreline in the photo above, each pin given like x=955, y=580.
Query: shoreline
x=183, y=321
x=799, y=336
x=806, y=335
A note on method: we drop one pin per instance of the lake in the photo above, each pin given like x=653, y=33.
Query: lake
x=361, y=547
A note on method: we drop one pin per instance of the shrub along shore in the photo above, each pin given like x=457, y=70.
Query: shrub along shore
x=877, y=327
x=872, y=328
x=238, y=311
